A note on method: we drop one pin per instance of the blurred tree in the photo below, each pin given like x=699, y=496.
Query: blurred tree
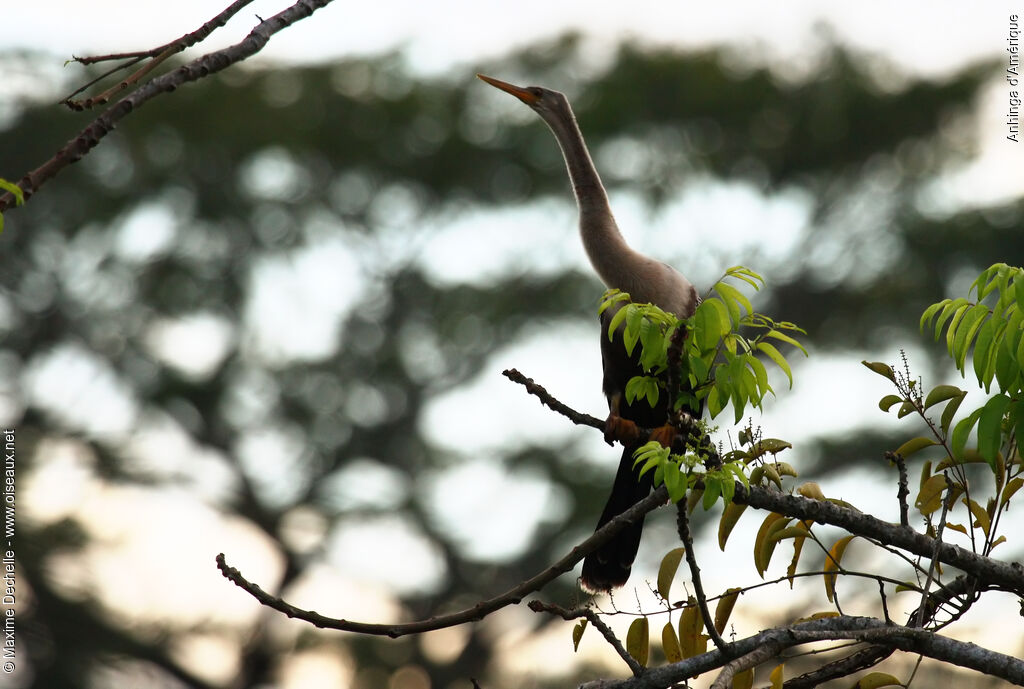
x=207, y=209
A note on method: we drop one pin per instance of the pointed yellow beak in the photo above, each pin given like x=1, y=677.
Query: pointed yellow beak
x=517, y=91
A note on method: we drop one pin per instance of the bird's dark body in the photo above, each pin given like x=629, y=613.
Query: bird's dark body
x=609, y=566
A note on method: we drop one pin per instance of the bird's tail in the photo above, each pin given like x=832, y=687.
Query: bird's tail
x=608, y=567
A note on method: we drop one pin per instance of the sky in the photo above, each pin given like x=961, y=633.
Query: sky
x=929, y=39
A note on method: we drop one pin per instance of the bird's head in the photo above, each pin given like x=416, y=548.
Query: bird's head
x=545, y=102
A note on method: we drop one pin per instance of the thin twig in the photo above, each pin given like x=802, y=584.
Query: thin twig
x=683, y=524
x=904, y=490
x=588, y=613
x=166, y=50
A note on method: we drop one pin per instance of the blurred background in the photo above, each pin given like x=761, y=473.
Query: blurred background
x=268, y=315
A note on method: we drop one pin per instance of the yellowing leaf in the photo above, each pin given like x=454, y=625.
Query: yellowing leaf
x=670, y=644
x=1012, y=487
x=763, y=545
x=981, y=517
x=724, y=608
x=817, y=616
x=743, y=680
x=833, y=563
x=577, y=634
x=638, y=641
x=776, y=677
x=690, y=625
x=730, y=516
x=930, y=497
x=811, y=490
x=873, y=680
x=667, y=571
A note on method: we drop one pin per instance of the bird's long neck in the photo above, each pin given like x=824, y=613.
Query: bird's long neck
x=616, y=264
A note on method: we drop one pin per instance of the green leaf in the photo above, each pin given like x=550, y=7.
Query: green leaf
x=881, y=369
x=638, y=641
x=617, y=319
x=885, y=404
x=962, y=430
x=787, y=339
x=631, y=335
x=941, y=393
x=950, y=411
x=711, y=321
x=915, y=445
x=984, y=352
x=612, y=297
x=779, y=360
x=642, y=387
x=14, y=189
x=733, y=299
x=969, y=326
x=947, y=310
x=674, y=481
x=712, y=491
x=760, y=375
x=930, y=312
x=990, y=427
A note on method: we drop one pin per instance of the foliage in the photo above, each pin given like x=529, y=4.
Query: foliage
x=996, y=335
x=716, y=352
x=19, y=196
x=992, y=330
x=719, y=362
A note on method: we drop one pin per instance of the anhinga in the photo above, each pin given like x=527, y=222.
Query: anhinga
x=647, y=281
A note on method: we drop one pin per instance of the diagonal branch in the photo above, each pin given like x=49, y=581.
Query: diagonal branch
x=199, y=68
x=683, y=524
x=989, y=572
x=158, y=54
x=513, y=596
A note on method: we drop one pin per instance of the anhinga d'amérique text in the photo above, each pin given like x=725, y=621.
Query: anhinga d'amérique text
x=647, y=281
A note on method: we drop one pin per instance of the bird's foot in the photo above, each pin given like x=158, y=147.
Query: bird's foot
x=620, y=429
x=664, y=435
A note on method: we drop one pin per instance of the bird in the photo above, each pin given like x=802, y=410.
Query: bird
x=648, y=281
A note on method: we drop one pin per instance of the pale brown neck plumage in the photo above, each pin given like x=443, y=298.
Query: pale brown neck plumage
x=619, y=266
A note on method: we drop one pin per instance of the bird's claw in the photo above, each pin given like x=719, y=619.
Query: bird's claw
x=664, y=435
x=619, y=429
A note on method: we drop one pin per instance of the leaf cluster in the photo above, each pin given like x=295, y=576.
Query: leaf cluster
x=724, y=342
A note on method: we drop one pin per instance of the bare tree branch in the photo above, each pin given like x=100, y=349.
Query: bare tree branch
x=513, y=596
x=199, y=68
x=769, y=643
x=1005, y=576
